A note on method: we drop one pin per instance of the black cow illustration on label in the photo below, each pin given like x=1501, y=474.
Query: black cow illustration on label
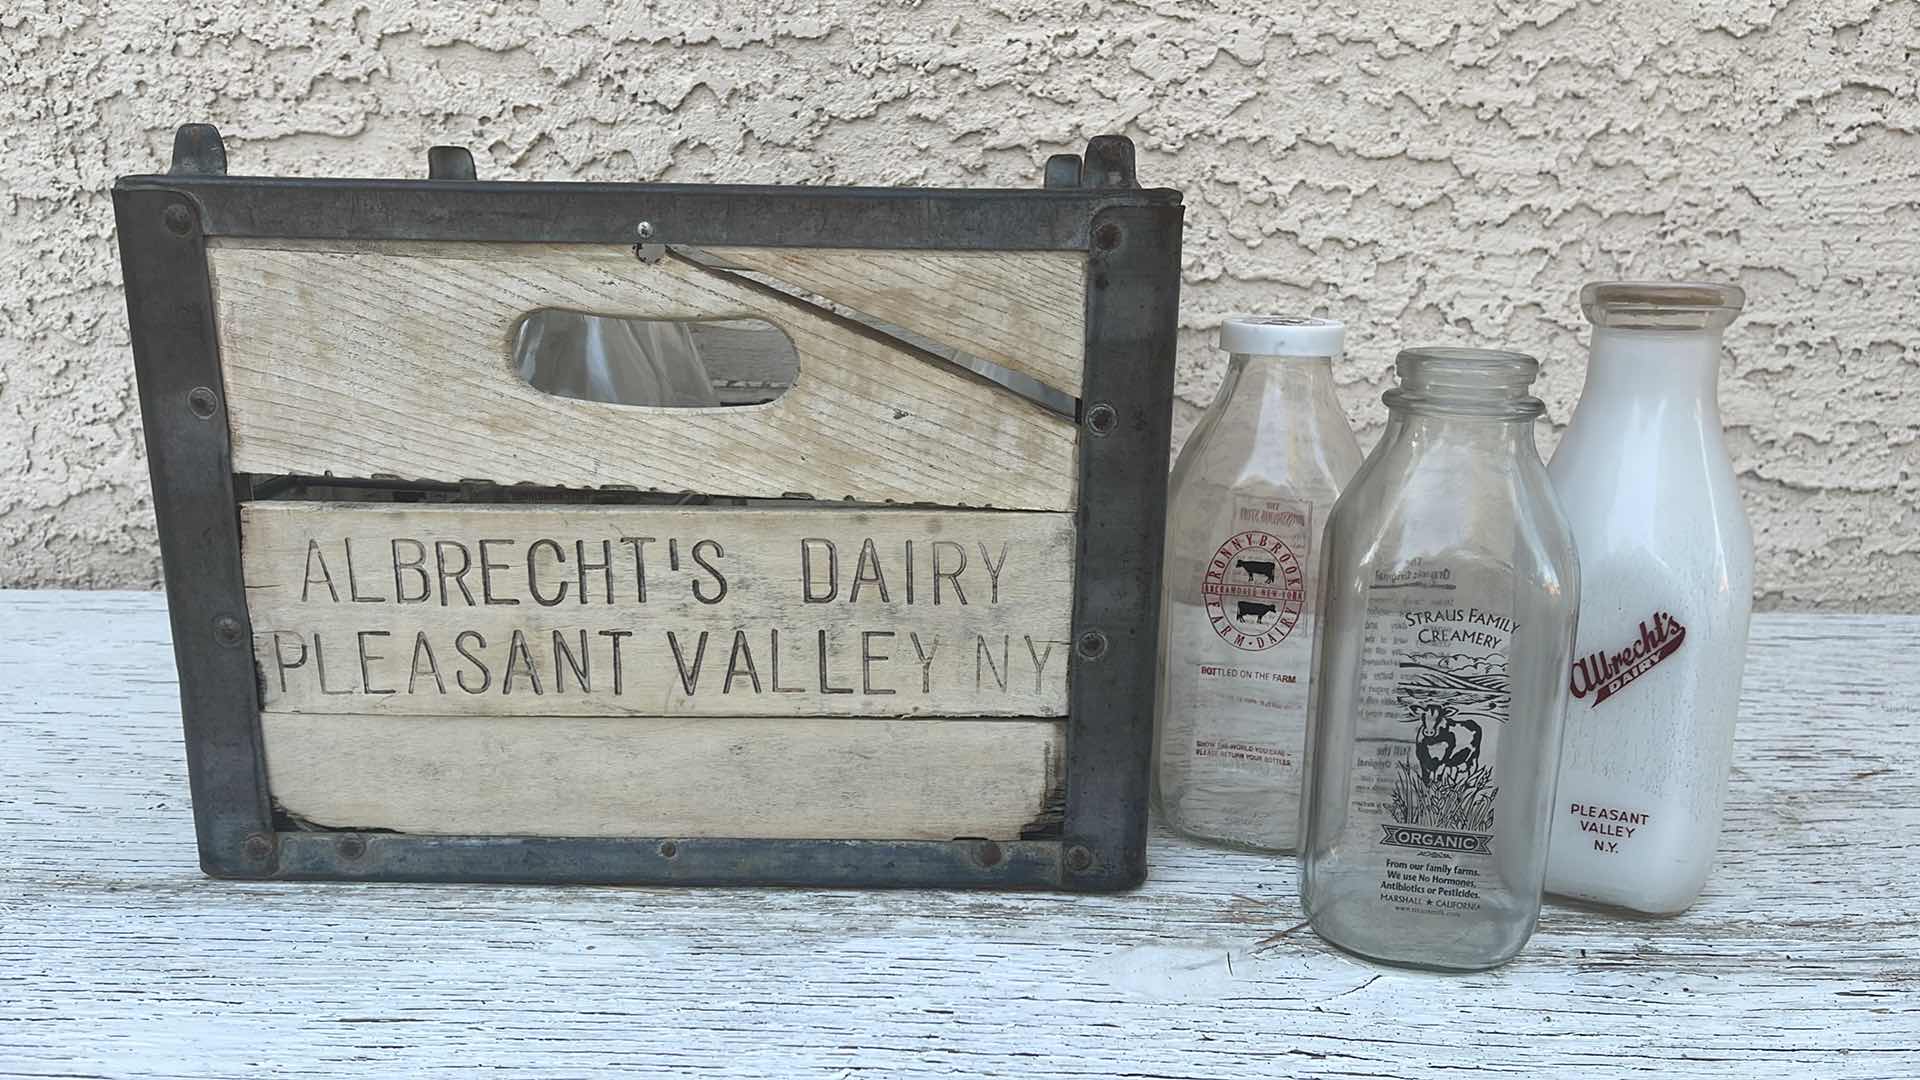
x=1445, y=741
x=1256, y=568
x=1256, y=612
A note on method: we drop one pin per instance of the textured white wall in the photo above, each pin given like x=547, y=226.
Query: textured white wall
x=1428, y=170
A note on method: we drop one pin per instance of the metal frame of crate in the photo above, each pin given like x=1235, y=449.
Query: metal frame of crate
x=1130, y=238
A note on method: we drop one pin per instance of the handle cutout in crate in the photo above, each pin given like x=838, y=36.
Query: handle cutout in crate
x=664, y=363
x=360, y=359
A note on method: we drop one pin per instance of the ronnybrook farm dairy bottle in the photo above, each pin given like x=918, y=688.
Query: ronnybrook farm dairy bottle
x=1248, y=500
x=1667, y=558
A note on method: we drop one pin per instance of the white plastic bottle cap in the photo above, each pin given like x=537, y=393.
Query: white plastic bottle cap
x=1282, y=335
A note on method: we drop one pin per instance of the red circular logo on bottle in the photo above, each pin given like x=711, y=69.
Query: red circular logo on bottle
x=1255, y=590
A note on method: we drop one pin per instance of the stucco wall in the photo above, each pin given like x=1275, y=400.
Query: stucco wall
x=1428, y=170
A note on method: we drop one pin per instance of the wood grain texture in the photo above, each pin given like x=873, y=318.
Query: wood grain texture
x=851, y=779
x=1024, y=310
x=691, y=610
x=353, y=360
x=118, y=959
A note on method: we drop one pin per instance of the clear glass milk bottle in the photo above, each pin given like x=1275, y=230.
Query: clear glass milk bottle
x=1246, y=505
x=1448, y=616
x=1647, y=484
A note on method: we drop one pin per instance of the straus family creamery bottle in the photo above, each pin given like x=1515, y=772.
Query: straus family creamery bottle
x=1448, y=617
x=1647, y=484
x=1247, y=501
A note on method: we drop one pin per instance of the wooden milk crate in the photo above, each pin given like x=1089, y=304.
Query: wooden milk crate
x=896, y=627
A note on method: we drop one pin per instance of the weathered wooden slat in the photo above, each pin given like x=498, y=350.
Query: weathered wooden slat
x=631, y=776
x=403, y=609
x=1024, y=310
x=395, y=358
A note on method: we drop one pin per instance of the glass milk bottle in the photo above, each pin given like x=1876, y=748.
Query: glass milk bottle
x=1644, y=475
x=1449, y=600
x=1247, y=501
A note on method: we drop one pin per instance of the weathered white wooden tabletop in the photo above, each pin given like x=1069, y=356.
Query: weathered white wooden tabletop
x=118, y=959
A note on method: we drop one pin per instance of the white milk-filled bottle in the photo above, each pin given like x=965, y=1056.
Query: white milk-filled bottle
x=1246, y=505
x=1667, y=560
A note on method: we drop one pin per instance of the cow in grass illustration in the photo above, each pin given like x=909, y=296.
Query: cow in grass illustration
x=1446, y=740
x=1453, y=701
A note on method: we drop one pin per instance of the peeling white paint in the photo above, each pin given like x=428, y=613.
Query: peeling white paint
x=1425, y=170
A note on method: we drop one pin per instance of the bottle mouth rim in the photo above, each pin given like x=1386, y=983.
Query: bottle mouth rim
x=1662, y=305
x=1525, y=407
x=1468, y=361
x=1451, y=380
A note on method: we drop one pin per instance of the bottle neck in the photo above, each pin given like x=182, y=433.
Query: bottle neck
x=1278, y=383
x=1667, y=364
x=1445, y=434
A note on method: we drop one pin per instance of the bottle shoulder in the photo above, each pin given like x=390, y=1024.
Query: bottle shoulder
x=1241, y=460
x=1678, y=456
x=1680, y=511
x=1206, y=487
x=1515, y=526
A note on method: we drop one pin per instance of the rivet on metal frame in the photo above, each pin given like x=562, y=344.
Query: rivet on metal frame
x=351, y=847
x=178, y=219
x=1101, y=419
x=226, y=630
x=1079, y=859
x=646, y=252
x=1108, y=236
x=1092, y=645
x=259, y=846
x=202, y=402
x=668, y=849
x=987, y=853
